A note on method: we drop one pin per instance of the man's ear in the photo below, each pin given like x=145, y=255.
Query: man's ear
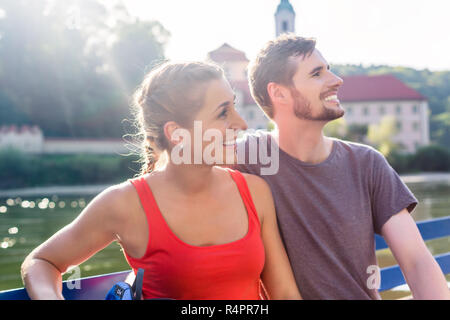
x=278, y=93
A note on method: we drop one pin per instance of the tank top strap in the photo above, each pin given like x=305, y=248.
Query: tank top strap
x=151, y=210
x=244, y=191
x=145, y=196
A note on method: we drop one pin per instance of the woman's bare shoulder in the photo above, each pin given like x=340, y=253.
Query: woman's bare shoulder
x=118, y=201
x=256, y=183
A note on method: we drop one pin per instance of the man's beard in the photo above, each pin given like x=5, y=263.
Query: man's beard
x=302, y=109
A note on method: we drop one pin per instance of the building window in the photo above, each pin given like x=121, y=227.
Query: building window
x=382, y=110
x=398, y=109
x=415, y=109
x=366, y=111
x=285, y=26
x=399, y=126
x=415, y=126
x=251, y=115
x=349, y=110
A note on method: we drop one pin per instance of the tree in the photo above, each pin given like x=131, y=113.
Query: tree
x=336, y=128
x=432, y=158
x=137, y=46
x=58, y=69
x=380, y=135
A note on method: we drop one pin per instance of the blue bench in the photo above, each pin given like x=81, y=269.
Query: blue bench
x=96, y=287
x=429, y=229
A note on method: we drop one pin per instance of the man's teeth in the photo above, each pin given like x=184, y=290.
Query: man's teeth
x=333, y=97
x=229, y=143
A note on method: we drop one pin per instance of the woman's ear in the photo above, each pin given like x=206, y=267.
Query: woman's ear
x=169, y=128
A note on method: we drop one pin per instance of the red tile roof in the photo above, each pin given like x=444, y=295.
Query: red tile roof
x=376, y=88
x=13, y=128
x=227, y=53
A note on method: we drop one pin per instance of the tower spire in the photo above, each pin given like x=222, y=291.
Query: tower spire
x=284, y=18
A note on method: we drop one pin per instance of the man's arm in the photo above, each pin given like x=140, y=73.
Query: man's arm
x=421, y=271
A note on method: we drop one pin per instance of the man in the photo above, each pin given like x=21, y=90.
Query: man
x=331, y=195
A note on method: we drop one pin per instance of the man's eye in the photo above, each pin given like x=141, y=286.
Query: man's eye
x=316, y=74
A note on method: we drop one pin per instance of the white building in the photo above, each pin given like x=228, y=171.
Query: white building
x=93, y=146
x=31, y=140
x=27, y=139
x=368, y=99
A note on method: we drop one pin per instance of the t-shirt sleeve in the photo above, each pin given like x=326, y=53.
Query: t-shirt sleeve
x=389, y=194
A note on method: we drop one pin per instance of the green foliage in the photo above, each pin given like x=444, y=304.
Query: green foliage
x=336, y=128
x=432, y=158
x=71, y=71
x=15, y=166
x=401, y=162
x=271, y=125
x=357, y=132
x=380, y=135
x=19, y=170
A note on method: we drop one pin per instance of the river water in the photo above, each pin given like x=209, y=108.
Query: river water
x=27, y=221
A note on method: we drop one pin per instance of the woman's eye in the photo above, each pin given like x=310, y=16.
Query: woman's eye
x=316, y=74
x=224, y=113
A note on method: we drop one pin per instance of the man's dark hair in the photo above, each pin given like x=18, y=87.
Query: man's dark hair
x=273, y=64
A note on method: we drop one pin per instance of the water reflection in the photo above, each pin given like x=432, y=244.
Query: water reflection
x=26, y=223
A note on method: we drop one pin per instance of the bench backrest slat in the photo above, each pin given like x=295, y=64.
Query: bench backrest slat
x=429, y=229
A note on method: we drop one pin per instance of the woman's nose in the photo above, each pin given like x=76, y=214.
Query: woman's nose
x=239, y=123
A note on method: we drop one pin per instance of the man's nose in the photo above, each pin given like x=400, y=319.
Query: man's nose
x=336, y=80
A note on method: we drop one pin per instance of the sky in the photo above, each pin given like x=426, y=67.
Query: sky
x=410, y=33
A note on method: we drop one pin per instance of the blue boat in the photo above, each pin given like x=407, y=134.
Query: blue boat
x=96, y=287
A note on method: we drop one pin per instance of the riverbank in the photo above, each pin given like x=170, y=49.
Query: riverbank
x=87, y=190
x=91, y=190
x=429, y=177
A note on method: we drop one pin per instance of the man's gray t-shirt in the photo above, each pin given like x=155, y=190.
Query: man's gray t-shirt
x=329, y=212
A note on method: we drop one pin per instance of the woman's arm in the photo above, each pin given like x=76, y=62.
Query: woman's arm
x=277, y=275
x=95, y=228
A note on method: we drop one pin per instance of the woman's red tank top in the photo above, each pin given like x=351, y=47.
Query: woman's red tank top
x=177, y=270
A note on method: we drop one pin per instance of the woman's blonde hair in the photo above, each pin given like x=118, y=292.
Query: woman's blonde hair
x=169, y=92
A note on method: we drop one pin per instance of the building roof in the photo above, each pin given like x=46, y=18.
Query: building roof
x=227, y=53
x=23, y=129
x=285, y=5
x=376, y=88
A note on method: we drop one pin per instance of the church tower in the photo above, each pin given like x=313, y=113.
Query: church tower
x=284, y=18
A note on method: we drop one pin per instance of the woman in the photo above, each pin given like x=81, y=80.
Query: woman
x=198, y=230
